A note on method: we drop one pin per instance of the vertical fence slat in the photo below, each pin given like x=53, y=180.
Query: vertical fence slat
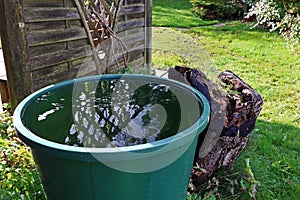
x=148, y=35
x=14, y=50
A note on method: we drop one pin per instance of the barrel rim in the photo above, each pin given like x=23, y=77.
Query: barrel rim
x=33, y=140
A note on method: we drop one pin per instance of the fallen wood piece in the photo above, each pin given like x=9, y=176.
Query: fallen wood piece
x=235, y=106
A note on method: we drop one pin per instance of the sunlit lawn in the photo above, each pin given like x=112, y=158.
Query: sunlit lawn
x=263, y=60
x=171, y=13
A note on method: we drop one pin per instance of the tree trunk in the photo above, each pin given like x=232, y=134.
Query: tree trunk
x=235, y=107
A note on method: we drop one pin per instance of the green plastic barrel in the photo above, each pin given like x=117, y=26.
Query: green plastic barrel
x=113, y=137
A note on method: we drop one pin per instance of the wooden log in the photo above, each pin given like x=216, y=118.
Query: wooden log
x=234, y=110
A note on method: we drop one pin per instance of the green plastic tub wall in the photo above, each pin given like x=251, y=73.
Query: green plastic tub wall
x=155, y=170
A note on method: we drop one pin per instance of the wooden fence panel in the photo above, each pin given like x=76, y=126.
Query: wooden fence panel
x=42, y=37
x=47, y=41
x=49, y=59
x=40, y=14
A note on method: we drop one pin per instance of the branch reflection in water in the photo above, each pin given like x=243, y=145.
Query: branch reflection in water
x=121, y=113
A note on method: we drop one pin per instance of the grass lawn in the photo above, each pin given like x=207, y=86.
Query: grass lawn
x=262, y=60
x=170, y=13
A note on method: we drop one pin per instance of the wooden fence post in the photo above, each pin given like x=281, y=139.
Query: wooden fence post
x=148, y=35
x=13, y=40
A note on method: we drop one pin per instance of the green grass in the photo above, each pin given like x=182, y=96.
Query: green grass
x=170, y=13
x=262, y=60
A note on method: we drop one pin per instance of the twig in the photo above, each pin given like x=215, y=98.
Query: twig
x=107, y=18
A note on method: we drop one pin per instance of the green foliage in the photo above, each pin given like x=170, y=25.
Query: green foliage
x=226, y=185
x=170, y=13
x=219, y=9
x=280, y=16
x=18, y=176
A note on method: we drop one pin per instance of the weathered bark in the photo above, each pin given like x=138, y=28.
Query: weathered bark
x=235, y=107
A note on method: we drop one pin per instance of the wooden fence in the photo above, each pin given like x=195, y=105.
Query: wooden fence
x=48, y=41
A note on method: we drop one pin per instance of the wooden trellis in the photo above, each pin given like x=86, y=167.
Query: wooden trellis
x=48, y=41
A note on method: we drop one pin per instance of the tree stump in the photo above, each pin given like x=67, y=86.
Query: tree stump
x=235, y=106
